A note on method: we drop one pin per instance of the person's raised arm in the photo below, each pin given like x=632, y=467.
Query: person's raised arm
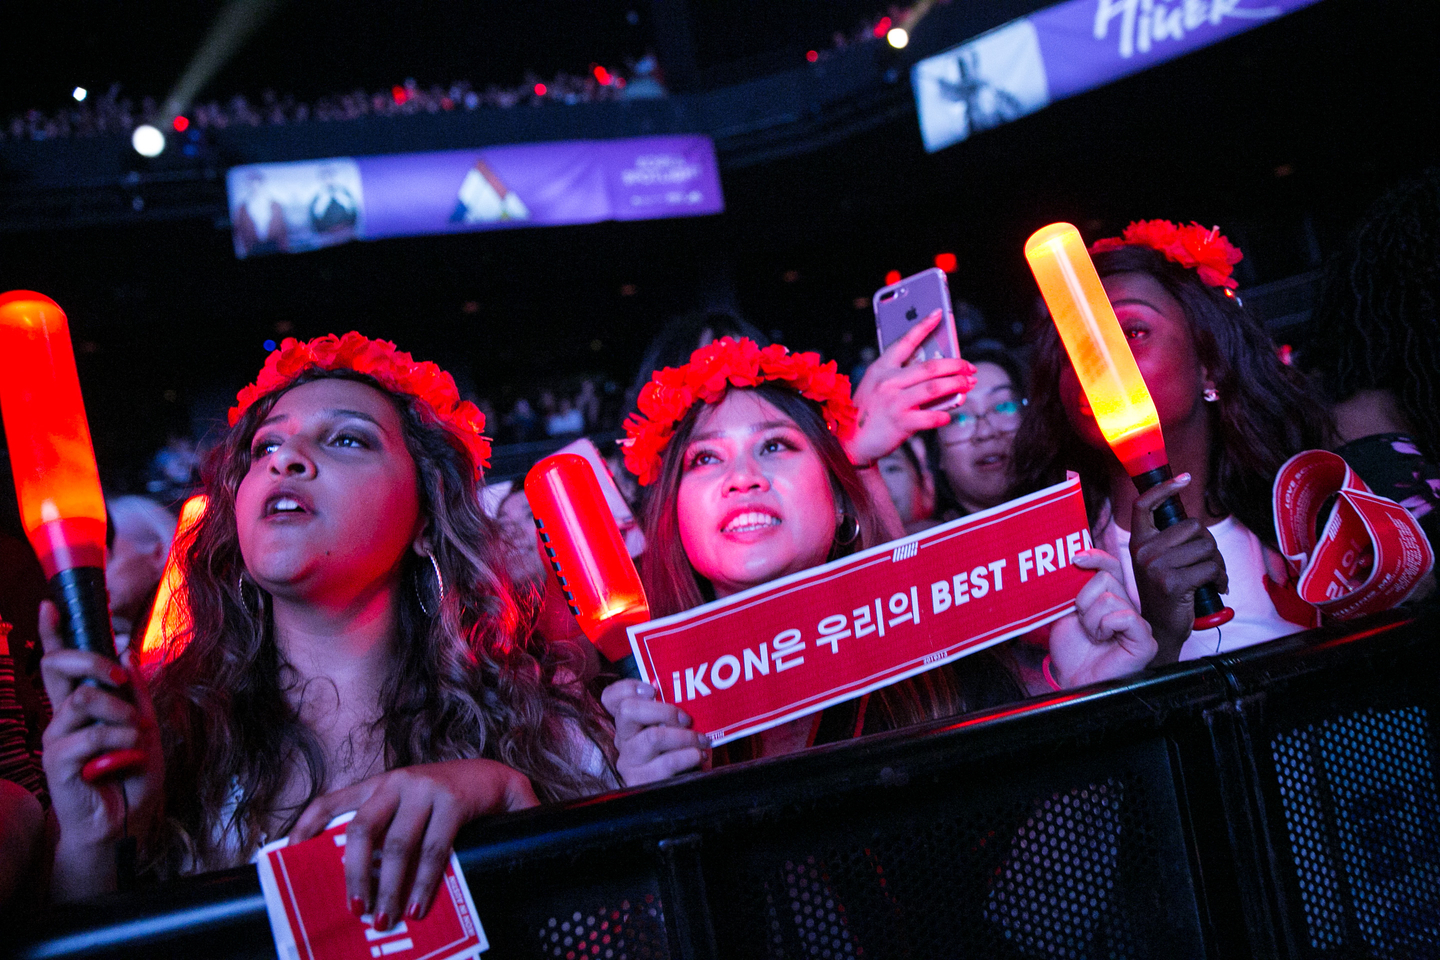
x=891, y=399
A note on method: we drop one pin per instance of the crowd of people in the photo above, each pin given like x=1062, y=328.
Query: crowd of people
x=115, y=113
x=369, y=633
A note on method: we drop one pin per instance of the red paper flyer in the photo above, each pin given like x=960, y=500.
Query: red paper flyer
x=304, y=888
x=803, y=642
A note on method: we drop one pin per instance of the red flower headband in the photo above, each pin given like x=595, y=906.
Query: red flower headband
x=395, y=371
x=1193, y=247
x=712, y=370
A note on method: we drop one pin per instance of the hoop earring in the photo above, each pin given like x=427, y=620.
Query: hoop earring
x=439, y=585
x=847, y=531
x=1211, y=394
x=259, y=607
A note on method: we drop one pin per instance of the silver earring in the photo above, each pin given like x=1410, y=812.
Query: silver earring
x=1211, y=394
x=847, y=530
x=439, y=586
x=260, y=602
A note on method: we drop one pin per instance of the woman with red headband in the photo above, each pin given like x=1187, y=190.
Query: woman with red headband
x=757, y=460
x=355, y=646
x=1231, y=412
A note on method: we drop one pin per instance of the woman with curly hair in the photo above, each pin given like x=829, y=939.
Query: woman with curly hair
x=1232, y=414
x=355, y=645
x=762, y=467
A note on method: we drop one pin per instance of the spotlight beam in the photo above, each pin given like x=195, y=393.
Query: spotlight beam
x=232, y=27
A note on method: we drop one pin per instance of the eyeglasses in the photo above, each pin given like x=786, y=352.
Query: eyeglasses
x=1004, y=417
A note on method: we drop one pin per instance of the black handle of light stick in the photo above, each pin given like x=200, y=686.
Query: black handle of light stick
x=1210, y=610
x=80, y=596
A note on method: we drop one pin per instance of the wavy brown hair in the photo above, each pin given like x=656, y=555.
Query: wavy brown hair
x=465, y=683
x=1266, y=411
x=673, y=586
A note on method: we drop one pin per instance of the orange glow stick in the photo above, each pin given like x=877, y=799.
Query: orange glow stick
x=168, y=628
x=1113, y=385
x=56, y=480
x=584, y=546
x=1097, y=347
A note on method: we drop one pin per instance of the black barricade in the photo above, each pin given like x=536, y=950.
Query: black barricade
x=1277, y=802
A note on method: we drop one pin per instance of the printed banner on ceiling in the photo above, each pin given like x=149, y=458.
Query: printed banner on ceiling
x=293, y=207
x=1067, y=49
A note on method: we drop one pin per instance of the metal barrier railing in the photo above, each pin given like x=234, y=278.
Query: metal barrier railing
x=1280, y=801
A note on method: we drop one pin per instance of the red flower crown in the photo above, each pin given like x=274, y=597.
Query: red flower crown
x=1193, y=247
x=714, y=369
x=392, y=369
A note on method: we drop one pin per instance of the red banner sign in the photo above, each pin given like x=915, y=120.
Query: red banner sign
x=1370, y=556
x=803, y=642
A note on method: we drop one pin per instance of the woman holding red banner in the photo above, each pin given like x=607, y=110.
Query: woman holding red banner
x=355, y=646
x=1231, y=412
x=760, y=462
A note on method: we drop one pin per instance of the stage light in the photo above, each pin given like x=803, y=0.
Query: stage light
x=147, y=141
x=540, y=89
x=812, y=55
x=399, y=94
x=946, y=262
x=79, y=93
x=892, y=276
x=883, y=27
x=897, y=37
x=603, y=76
x=181, y=124
x=269, y=345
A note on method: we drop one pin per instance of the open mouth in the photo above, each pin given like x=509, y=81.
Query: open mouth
x=750, y=520
x=992, y=460
x=285, y=505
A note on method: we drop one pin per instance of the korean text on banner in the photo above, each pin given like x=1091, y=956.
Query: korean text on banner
x=803, y=642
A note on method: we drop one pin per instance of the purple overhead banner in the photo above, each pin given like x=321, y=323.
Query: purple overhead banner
x=290, y=207
x=1067, y=49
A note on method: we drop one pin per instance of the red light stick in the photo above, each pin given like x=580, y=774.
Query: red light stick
x=583, y=545
x=1110, y=377
x=168, y=628
x=56, y=480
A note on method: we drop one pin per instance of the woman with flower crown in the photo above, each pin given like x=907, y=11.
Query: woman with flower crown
x=757, y=458
x=355, y=646
x=1232, y=414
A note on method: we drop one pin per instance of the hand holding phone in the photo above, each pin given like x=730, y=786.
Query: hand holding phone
x=898, y=394
x=900, y=306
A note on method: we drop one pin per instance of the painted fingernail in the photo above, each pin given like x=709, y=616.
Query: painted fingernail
x=357, y=906
x=118, y=676
x=1183, y=478
x=382, y=921
x=416, y=911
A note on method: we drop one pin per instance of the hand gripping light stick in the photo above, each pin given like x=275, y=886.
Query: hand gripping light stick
x=1112, y=382
x=584, y=547
x=56, y=480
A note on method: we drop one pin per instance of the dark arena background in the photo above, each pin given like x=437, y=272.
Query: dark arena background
x=1280, y=801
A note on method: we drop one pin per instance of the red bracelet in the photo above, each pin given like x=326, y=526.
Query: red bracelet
x=1049, y=678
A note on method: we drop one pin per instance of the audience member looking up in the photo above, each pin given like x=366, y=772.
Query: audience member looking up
x=757, y=480
x=354, y=647
x=1231, y=412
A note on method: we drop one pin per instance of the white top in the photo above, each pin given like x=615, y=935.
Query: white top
x=1256, y=619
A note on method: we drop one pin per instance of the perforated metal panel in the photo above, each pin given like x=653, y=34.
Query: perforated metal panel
x=1076, y=872
x=625, y=931
x=1362, y=814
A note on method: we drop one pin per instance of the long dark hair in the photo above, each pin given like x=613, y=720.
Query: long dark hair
x=673, y=586
x=1377, y=325
x=1266, y=411
x=464, y=683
